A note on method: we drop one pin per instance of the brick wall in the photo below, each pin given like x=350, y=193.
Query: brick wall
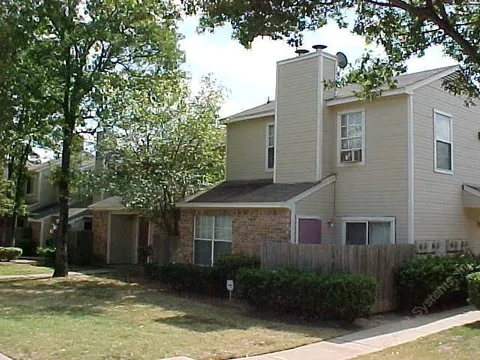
x=100, y=234
x=250, y=227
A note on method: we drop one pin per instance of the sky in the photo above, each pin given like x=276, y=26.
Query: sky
x=249, y=75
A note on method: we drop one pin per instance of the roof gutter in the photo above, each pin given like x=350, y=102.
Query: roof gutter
x=277, y=205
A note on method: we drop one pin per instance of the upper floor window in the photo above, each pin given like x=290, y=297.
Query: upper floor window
x=213, y=237
x=443, y=142
x=351, y=137
x=30, y=185
x=270, y=147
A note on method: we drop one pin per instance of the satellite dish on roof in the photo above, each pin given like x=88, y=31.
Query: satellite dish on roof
x=342, y=60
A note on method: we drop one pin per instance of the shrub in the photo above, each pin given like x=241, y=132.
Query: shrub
x=440, y=277
x=201, y=279
x=183, y=277
x=48, y=254
x=228, y=265
x=326, y=295
x=474, y=289
x=10, y=253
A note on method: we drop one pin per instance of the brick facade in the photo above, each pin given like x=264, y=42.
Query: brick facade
x=100, y=235
x=250, y=227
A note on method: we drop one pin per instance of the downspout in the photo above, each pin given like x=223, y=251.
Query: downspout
x=411, y=178
x=293, y=215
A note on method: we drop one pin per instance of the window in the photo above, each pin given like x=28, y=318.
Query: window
x=213, y=237
x=443, y=142
x=351, y=137
x=270, y=144
x=29, y=186
x=373, y=231
x=87, y=224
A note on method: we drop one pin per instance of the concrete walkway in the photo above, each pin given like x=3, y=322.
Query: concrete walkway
x=49, y=275
x=378, y=338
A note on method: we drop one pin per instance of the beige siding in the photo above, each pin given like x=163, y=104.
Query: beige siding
x=297, y=106
x=328, y=138
x=474, y=230
x=321, y=204
x=439, y=212
x=48, y=191
x=246, y=149
x=380, y=187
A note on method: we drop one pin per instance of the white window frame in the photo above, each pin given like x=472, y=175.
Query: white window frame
x=366, y=220
x=435, y=168
x=339, y=137
x=267, y=146
x=213, y=240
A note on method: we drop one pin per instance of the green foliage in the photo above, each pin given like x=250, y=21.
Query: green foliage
x=183, y=277
x=68, y=61
x=10, y=253
x=164, y=145
x=404, y=29
x=202, y=279
x=418, y=279
x=325, y=295
x=474, y=289
x=228, y=265
x=47, y=252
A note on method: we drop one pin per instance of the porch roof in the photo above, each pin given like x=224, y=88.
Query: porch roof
x=111, y=203
x=253, y=191
x=471, y=195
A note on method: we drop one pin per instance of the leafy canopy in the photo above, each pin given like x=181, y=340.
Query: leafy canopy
x=164, y=144
x=404, y=28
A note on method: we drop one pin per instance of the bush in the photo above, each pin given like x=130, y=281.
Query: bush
x=201, y=279
x=48, y=254
x=326, y=295
x=183, y=277
x=474, y=289
x=433, y=280
x=10, y=253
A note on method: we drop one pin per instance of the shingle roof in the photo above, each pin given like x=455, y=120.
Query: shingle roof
x=252, y=191
x=347, y=91
x=111, y=203
x=257, y=111
x=74, y=212
x=402, y=81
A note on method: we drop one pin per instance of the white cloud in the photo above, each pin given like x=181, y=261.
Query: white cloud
x=249, y=74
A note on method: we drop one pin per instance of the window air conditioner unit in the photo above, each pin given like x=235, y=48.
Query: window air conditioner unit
x=351, y=156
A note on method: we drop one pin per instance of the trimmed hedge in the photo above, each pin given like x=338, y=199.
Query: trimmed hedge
x=474, y=289
x=319, y=295
x=433, y=280
x=10, y=253
x=201, y=279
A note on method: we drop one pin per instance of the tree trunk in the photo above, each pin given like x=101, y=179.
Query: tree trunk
x=61, y=259
x=19, y=189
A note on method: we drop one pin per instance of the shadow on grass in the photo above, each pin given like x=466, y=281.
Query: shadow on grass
x=91, y=296
x=198, y=323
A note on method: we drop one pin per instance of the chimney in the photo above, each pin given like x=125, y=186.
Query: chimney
x=319, y=47
x=301, y=52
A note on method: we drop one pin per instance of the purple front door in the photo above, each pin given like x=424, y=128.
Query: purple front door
x=309, y=231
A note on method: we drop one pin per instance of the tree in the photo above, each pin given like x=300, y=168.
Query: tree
x=165, y=145
x=74, y=48
x=22, y=124
x=404, y=28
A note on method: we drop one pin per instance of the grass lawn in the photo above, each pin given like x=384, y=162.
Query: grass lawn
x=9, y=268
x=460, y=343
x=98, y=318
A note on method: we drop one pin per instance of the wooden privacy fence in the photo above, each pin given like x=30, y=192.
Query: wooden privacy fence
x=378, y=261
